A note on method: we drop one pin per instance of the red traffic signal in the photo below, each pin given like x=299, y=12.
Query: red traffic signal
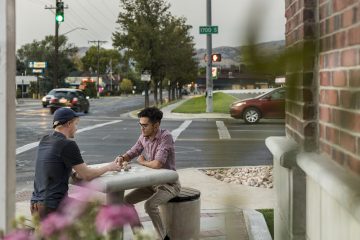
x=216, y=57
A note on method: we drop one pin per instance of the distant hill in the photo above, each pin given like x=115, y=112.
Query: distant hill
x=229, y=55
x=232, y=55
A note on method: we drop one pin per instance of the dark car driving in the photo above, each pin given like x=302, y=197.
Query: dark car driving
x=68, y=97
x=46, y=99
x=268, y=105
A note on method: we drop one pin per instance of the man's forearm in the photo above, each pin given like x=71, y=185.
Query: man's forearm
x=152, y=164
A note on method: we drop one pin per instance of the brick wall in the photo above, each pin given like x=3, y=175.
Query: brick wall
x=301, y=112
x=323, y=102
x=339, y=85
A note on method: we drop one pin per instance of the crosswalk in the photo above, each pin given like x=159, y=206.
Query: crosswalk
x=187, y=130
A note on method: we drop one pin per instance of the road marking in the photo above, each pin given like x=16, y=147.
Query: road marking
x=175, y=133
x=275, y=130
x=107, y=136
x=222, y=130
x=217, y=140
x=29, y=146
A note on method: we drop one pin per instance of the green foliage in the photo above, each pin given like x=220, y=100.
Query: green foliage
x=106, y=57
x=221, y=102
x=43, y=51
x=33, y=88
x=90, y=89
x=156, y=41
x=126, y=86
x=269, y=219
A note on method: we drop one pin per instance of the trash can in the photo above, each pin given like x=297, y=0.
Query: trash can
x=182, y=215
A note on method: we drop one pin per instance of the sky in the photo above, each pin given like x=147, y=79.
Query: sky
x=34, y=22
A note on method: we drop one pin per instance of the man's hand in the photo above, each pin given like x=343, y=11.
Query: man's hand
x=114, y=166
x=141, y=160
x=119, y=160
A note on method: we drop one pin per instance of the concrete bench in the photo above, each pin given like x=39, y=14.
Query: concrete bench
x=182, y=215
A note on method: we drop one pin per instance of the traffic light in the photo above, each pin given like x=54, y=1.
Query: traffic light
x=59, y=17
x=216, y=57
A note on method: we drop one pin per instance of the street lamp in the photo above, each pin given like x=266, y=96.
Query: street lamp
x=80, y=28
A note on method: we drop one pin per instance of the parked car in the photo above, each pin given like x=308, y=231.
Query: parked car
x=46, y=99
x=68, y=97
x=267, y=105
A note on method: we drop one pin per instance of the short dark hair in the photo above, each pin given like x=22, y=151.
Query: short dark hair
x=153, y=113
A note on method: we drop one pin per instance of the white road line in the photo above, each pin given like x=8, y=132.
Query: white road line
x=29, y=146
x=107, y=136
x=222, y=130
x=176, y=132
x=253, y=130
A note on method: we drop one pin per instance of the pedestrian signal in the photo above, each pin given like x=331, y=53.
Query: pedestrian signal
x=216, y=57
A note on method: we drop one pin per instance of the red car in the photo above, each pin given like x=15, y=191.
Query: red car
x=267, y=105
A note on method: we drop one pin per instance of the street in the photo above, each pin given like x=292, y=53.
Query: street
x=106, y=132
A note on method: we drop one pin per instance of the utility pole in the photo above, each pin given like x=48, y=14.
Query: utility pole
x=56, y=43
x=7, y=114
x=111, y=76
x=209, y=81
x=98, y=62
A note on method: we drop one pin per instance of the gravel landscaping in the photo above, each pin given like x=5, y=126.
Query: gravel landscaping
x=259, y=176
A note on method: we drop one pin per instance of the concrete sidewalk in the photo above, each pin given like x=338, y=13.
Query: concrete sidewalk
x=217, y=199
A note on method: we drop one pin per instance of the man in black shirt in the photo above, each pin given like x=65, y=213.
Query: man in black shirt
x=57, y=156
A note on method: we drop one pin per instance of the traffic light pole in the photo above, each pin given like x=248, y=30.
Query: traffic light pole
x=209, y=81
x=56, y=41
x=56, y=55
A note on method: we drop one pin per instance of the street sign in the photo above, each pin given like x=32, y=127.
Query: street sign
x=37, y=64
x=37, y=70
x=209, y=29
x=146, y=76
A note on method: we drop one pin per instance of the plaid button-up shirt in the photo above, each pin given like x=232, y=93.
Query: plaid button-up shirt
x=160, y=148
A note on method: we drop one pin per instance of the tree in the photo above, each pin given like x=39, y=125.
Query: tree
x=181, y=68
x=106, y=57
x=43, y=51
x=126, y=86
x=139, y=32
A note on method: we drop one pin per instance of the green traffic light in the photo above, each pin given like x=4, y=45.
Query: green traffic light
x=59, y=18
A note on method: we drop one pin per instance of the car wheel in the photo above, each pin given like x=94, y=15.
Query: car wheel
x=251, y=115
x=86, y=110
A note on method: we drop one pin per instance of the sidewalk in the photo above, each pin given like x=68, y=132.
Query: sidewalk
x=217, y=198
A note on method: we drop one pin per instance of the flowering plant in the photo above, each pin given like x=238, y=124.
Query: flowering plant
x=84, y=218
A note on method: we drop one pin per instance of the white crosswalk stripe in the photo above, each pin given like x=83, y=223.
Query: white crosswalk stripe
x=176, y=132
x=222, y=130
x=32, y=145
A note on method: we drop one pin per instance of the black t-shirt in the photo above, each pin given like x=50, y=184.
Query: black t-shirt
x=56, y=155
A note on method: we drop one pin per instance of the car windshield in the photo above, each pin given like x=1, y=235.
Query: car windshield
x=63, y=94
x=52, y=92
x=267, y=93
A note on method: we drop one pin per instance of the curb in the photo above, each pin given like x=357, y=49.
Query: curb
x=256, y=225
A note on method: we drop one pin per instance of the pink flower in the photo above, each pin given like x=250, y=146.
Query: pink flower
x=19, y=235
x=74, y=206
x=53, y=223
x=115, y=216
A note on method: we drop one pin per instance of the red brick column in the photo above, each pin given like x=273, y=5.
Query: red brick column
x=339, y=85
x=301, y=100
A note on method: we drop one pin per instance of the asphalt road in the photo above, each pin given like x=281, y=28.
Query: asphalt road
x=106, y=132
